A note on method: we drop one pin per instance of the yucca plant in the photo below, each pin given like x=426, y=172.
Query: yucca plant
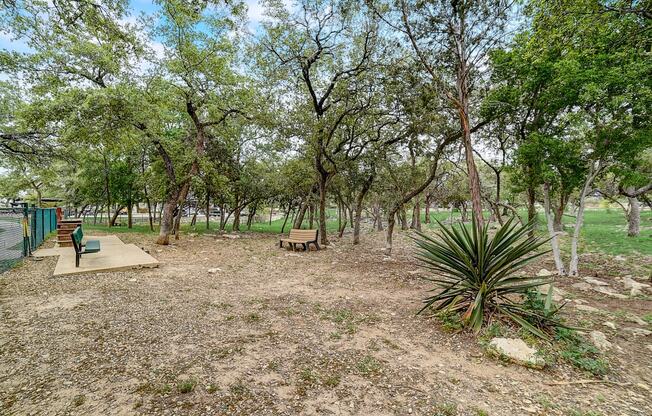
x=475, y=274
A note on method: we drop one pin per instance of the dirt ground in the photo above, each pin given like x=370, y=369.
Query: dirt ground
x=240, y=326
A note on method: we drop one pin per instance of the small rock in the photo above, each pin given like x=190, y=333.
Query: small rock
x=636, y=288
x=587, y=308
x=557, y=293
x=630, y=317
x=639, y=332
x=609, y=324
x=582, y=286
x=599, y=339
x=610, y=292
x=518, y=351
x=544, y=273
x=620, y=258
x=595, y=282
x=214, y=270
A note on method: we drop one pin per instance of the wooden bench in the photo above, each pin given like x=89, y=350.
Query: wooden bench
x=303, y=237
x=92, y=246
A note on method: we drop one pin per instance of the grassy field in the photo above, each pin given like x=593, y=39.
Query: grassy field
x=604, y=230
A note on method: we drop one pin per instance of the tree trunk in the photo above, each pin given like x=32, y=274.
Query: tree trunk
x=322, y=209
x=271, y=213
x=342, y=227
x=208, y=211
x=358, y=208
x=115, y=216
x=531, y=209
x=634, y=215
x=403, y=218
x=391, y=220
x=575, y=259
x=416, y=216
x=107, y=190
x=554, y=241
x=252, y=213
x=311, y=215
x=236, y=218
x=558, y=212
x=302, y=213
x=130, y=207
x=427, y=210
x=287, y=214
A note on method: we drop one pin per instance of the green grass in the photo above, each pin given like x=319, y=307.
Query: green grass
x=200, y=228
x=604, y=230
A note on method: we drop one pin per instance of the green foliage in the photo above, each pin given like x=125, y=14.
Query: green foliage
x=579, y=352
x=186, y=386
x=475, y=273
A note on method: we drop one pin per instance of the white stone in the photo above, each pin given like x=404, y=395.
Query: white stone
x=610, y=292
x=518, y=351
x=214, y=270
x=620, y=258
x=639, y=332
x=587, y=308
x=581, y=286
x=544, y=273
x=609, y=324
x=595, y=282
x=635, y=319
x=599, y=339
x=636, y=288
x=557, y=293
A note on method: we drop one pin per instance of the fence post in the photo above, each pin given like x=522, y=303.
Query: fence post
x=25, y=222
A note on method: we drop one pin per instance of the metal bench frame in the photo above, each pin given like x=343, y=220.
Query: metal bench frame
x=79, y=247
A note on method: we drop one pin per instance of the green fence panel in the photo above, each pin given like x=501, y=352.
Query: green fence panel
x=18, y=240
x=11, y=237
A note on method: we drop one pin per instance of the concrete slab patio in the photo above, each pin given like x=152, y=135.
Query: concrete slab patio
x=114, y=255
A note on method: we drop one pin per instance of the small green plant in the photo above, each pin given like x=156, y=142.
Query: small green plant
x=186, y=386
x=308, y=376
x=79, y=400
x=580, y=353
x=475, y=274
x=451, y=322
x=648, y=318
x=332, y=381
x=164, y=389
x=252, y=317
x=369, y=366
x=446, y=409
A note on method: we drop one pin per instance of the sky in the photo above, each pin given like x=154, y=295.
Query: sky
x=255, y=14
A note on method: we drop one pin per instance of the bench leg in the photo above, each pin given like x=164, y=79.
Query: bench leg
x=305, y=246
x=280, y=244
x=316, y=244
x=77, y=256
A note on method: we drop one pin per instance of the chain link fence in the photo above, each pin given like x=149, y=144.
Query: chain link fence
x=23, y=230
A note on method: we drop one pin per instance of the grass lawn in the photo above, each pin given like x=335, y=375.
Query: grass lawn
x=604, y=230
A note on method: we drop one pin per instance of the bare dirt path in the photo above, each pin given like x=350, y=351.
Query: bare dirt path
x=239, y=326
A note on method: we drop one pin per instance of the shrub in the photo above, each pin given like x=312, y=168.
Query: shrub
x=475, y=274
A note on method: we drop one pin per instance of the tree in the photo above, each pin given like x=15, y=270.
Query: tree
x=451, y=41
x=326, y=49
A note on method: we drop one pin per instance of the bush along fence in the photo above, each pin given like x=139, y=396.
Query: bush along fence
x=22, y=230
